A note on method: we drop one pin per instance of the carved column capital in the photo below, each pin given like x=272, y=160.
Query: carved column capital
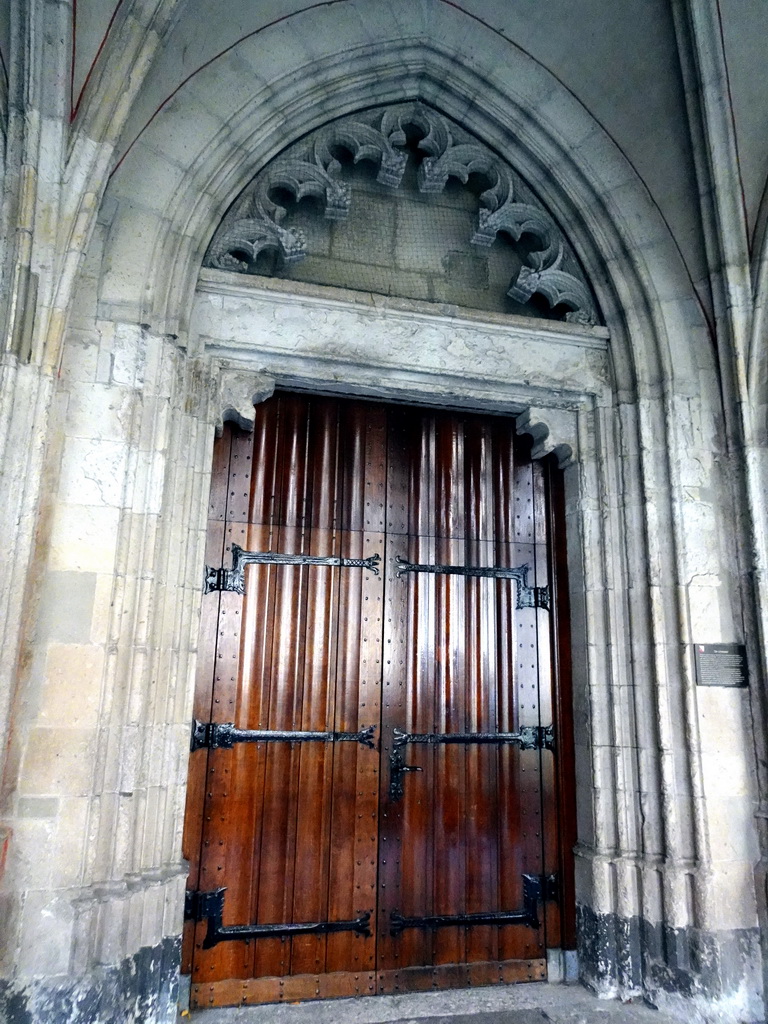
x=239, y=390
x=553, y=431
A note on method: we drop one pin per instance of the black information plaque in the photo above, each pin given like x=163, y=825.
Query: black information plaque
x=720, y=664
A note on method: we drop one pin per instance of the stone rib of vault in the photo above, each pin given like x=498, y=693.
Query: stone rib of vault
x=253, y=223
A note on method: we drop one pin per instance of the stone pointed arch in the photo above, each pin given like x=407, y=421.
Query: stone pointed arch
x=619, y=237
x=642, y=529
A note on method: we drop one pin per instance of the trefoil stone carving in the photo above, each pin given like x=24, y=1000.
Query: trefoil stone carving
x=313, y=168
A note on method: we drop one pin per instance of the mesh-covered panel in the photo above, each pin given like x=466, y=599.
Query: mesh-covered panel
x=404, y=243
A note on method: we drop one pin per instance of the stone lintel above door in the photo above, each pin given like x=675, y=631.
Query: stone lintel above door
x=259, y=337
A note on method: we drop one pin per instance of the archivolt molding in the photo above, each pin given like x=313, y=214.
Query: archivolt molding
x=312, y=168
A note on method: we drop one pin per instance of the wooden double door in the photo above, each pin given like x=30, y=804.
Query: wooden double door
x=380, y=782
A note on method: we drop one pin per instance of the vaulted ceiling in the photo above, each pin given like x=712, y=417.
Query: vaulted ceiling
x=619, y=60
x=745, y=34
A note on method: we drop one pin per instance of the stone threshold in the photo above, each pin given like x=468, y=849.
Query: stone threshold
x=518, y=1004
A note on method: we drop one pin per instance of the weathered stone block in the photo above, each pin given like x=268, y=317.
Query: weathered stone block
x=72, y=688
x=100, y=412
x=58, y=761
x=83, y=538
x=46, y=936
x=369, y=229
x=70, y=839
x=66, y=607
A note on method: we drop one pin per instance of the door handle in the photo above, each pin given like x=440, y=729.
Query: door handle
x=397, y=769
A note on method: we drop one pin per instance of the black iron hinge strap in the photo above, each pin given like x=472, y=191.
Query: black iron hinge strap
x=234, y=579
x=535, y=888
x=527, y=597
x=218, y=735
x=209, y=906
x=528, y=737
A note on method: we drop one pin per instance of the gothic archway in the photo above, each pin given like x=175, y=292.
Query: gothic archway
x=620, y=401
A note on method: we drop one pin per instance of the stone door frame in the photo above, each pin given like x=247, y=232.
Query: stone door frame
x=255, y=335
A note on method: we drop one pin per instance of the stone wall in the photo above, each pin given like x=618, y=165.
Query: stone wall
x=101, y=736
x=416, y=246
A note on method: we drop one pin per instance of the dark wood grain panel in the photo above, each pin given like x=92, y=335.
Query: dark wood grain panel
x=222, y=833
x=354, y=842
x=317, y=710
x=545, y=693
x=309, y=831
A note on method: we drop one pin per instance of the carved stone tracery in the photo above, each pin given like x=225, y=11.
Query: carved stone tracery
x=312, y=168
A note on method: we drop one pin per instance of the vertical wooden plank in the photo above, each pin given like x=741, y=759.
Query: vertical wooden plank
x=224, y=826
x=209, y=616
x=548, y=820
x=522, y=551
x=396, y=682
x=257, y=646
x=564, y=761
x=355, y=843
x=482, y=714
x=511, y=851
x=280, y=804
x=317, y=710
x=449, y=882
x=234, y=769
x=376, y=656
x=416, y=946
x=340, y=950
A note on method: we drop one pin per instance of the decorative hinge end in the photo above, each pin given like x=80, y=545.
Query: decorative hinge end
x=201, y=735
x=537, y=737
x=534, y=597
x=548, y=737
x=223, y=579
x=536, y=889
x=198, y=906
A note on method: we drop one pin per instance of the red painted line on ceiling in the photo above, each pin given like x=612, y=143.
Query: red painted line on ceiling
x=75, y=104
x=206, y=64
x=474, y=17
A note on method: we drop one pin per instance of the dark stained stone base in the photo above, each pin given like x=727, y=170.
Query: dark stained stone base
x=141, y=990
x=655, y=960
